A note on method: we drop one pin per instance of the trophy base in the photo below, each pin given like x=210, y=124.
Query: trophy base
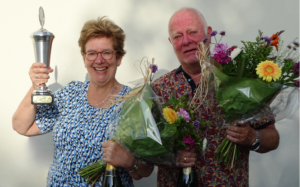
x=42, y=96
x=42, y=99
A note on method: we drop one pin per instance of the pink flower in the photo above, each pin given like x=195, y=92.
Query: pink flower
x=184, y=114
x=189, y=140
x=219, y=48
x=222, y=56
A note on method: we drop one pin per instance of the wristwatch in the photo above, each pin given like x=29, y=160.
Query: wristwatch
x=256, y=144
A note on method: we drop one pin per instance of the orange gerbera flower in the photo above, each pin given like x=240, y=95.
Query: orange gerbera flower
x=268, y=70
x=170, y=115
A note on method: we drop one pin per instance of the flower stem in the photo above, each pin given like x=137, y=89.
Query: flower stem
x=234, y=149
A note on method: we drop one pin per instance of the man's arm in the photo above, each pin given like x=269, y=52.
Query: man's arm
x=245, y=135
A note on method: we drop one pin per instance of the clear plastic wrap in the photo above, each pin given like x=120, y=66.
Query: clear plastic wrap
x=286, y=103
x=134, y=126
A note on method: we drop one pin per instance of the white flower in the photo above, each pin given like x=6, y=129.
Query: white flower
x=235, y=53
x=204, y=144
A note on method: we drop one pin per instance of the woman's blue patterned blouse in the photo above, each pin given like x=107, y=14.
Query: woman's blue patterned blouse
x=78, y=133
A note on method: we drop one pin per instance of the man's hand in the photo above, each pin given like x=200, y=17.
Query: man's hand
x=241, y=134
x=186, y=158
x=244, y=135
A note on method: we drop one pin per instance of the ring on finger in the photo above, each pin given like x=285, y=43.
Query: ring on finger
x=184, y=159
x=36, y=76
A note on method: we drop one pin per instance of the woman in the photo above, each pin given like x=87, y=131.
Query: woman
x=81, y=112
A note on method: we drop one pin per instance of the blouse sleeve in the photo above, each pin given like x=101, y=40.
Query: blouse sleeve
x=48, y=115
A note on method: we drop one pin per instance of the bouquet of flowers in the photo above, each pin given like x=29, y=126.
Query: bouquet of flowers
x=134, y=127
x=180, y=115
x=248, y=79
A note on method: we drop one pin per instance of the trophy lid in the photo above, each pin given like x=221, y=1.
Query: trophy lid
x=42, y=31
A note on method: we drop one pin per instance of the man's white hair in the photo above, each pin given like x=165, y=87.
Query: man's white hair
x=202, y=18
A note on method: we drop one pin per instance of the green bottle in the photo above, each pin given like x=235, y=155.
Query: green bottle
x=111, y=178
x=187, y=178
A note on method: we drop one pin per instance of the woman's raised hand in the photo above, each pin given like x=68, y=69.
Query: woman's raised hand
x=39, y=74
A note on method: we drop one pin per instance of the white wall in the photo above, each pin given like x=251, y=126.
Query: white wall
x=25, y=161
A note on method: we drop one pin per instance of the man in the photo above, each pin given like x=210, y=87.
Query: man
x=187, y=27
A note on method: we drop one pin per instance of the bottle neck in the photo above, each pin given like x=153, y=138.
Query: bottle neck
x=110, y=167
x=187, y=171
x=111, y=178
x=111, y=170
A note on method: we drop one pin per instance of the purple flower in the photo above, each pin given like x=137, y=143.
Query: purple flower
x=221, y=47
x=184, y=114
x=213, y=33
x=267, y=39
x=222, y=33
x=289, y=46
x=196, y=124
x=204, y=40
x=221, y=59
x=153, y=68
x=188, y=140
x=295, y=48
x=296, y=68
x=221, y=54
x=296, y=43
x=280, y=32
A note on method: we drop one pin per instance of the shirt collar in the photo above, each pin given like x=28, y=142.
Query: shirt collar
x=188, y=78
x=179, y=70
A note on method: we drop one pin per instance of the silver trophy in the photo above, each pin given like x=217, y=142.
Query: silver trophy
x=42, y=42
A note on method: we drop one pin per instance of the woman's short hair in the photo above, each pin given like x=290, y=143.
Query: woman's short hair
x=103, y=27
